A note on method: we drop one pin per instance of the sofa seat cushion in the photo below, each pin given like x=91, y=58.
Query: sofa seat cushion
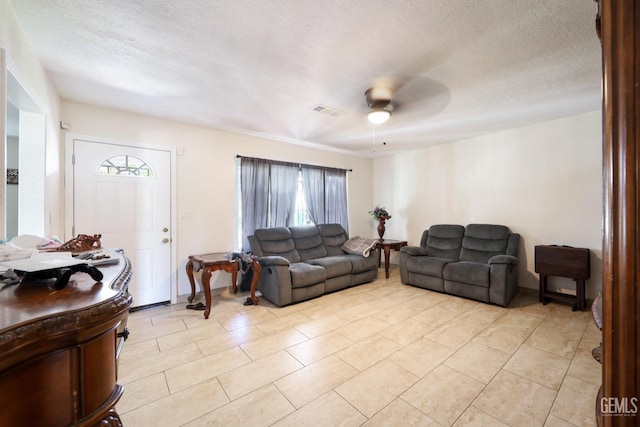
x=276, y=242
x=427, y=265
x=474, y=273
x=303, y=274
x=482, y=241
x=444, y=241
x=335, y=265
x=333, y=237
x=308, y=242
x=360, y=264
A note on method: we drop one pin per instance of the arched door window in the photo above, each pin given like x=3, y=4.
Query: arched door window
x=125, y=165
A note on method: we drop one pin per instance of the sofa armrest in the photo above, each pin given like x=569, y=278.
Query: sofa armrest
x=503, y=259
x=273, y=261
x=275, y=280
x=504, y=279
x=414, y=251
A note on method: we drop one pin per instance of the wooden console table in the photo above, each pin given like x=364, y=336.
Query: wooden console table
x=386, y=245
x=563, y=261
x=60, y=347
x=209, y=263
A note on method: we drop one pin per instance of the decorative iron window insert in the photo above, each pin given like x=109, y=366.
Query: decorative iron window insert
x=125, y=165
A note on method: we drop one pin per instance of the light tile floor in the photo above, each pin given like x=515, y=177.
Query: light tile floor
x=379, y=354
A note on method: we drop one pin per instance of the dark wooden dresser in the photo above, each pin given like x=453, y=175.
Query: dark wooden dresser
x=58, y=350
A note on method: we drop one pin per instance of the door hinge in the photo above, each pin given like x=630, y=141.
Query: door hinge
x=73, y=230
x=73, y=158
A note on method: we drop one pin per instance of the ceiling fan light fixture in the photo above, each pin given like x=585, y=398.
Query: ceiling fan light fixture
x=378, y=115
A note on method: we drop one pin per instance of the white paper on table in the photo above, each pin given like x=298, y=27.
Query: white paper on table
x=41, y=263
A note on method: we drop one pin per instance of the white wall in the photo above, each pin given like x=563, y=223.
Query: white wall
x=26, y=67
x=542, y=181
x=206, y=173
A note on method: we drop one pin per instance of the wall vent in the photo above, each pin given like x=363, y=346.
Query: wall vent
x=323, y=109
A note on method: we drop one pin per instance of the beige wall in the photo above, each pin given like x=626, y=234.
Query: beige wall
x=543, y=181
x=26, y=67
x=206, y=172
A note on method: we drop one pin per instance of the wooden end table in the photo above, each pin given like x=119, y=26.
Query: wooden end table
x=209, y=263
x=387, y=245
x=563, y=261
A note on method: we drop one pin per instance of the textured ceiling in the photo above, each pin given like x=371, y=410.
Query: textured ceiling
x=459, y=68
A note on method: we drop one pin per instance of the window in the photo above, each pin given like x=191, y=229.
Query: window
x=125, y=165
x=281, y=194
x=301, y=211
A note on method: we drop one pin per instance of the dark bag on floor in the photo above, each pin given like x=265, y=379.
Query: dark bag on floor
x=247, y=278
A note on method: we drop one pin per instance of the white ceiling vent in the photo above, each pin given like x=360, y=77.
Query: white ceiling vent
x=326, y=110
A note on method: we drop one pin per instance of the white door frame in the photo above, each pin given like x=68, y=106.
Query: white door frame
x=68, y=195
x=3, y=144
x=13, y=89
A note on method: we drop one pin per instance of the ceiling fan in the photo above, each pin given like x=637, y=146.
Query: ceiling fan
x=379, y=102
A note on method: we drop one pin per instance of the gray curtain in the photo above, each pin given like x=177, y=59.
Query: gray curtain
x=326, y=193
x=335, y=185
x=313, y=181
x=284, y=183
x=254, y=187
x=268, y=194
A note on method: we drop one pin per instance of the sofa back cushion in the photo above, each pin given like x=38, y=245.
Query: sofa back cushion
x=482, y=241
x=333, y=237
x=276, y=242
x=444, y=241
x=308, y=242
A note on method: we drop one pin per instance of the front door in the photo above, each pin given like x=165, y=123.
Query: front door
x=124, y=194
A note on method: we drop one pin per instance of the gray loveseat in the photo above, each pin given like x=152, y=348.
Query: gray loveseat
x=477, y=262
x=303, y=262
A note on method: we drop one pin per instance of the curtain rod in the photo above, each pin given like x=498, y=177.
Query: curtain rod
x=238, y=156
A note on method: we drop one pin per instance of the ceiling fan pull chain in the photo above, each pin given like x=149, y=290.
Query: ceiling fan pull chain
x=374, y=137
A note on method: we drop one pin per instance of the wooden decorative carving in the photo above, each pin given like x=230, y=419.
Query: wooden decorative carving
x=112, y=419
x=18, y=337
x=59, y=349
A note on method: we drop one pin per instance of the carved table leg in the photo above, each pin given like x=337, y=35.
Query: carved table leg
x=387, y=254
x=206, y=276
x=191, y=281
x=257, y=268
x=234, y=279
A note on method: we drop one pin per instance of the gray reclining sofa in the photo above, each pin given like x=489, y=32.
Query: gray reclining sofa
x=477, y=262
x=303, y=262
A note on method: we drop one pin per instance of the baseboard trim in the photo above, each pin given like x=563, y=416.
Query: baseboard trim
x=154, y=305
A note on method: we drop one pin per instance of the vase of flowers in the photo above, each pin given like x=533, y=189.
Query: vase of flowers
x=380, y=214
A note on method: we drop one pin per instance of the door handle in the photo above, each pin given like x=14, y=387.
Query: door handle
x=165, y=240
